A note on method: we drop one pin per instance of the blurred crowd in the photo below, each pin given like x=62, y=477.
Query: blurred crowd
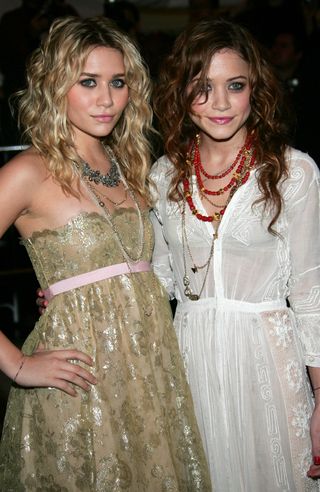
x=289, y=30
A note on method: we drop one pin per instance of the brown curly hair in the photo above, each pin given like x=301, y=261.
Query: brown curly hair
x=191, y=56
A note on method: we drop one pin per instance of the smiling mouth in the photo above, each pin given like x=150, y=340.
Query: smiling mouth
x=221, y=121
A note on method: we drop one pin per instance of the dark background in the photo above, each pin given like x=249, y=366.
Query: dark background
x=288, y=29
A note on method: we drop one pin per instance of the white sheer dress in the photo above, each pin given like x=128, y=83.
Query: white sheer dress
x=245, y=350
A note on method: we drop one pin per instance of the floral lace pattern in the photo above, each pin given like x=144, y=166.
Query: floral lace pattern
x=135, y=430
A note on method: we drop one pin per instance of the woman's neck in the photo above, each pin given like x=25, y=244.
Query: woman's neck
x=215, y=155
x=94, y=154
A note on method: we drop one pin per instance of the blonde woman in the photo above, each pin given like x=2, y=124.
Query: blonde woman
x=99, y=400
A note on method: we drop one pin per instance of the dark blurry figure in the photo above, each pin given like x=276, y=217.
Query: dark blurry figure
x=154, y=46
x=286, y=54
x=201, y=9
x=264, y=18
x=126, y=15
x=289, y=30
x=291, y=55
x=21, y=31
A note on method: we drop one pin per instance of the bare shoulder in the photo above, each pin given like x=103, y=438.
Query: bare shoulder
x=21, y=181
x=25, y=168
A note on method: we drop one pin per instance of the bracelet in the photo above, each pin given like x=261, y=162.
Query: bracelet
x=317, y=388
x=20, y=367
x=316, y=460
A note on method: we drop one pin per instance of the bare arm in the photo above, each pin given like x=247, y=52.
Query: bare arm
x=314, y=470
x=20, y=181
x=45, y=368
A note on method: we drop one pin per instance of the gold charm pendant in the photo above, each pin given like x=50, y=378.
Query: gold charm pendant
x=187, y=291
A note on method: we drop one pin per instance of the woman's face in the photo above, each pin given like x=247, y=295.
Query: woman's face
x=221, y=110
x=97, y=100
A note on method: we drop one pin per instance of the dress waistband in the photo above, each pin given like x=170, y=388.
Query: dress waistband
x=95, y=276
x=224, y=304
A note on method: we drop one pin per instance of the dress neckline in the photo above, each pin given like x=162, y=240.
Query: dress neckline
x=82, y=214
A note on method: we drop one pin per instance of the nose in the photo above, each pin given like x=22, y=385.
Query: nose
x=220, y=99
x=105, y=96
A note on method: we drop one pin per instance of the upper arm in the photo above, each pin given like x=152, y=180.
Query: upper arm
x=19, y=180
x=303, y=212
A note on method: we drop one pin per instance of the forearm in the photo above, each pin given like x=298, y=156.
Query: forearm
x=10, y=357
x=314, y=373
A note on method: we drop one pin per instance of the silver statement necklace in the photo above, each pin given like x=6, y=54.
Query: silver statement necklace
x=111, y=179
x=128, y=257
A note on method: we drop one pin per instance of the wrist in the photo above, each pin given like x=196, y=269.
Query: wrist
x=19, y=368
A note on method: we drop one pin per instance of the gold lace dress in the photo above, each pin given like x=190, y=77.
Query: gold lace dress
x=135, y=430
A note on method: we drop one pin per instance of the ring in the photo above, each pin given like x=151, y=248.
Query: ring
x=316, y=460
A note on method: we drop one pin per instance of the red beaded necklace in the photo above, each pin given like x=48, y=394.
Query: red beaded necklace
x=198, y=164
x=239, y=177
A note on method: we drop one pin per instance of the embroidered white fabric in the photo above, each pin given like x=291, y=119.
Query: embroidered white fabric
x=246, y=360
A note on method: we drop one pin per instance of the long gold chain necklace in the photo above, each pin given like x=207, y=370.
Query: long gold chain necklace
x=217, y=205
x=147, y=303
x=129, y=258
x=100, y=194
x=186, y=248
x=240, y=177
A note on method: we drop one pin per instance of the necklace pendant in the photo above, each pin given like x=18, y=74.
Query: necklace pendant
x=194, y=269
x=194, y=297
x=101, y=203
x=187, y=292
x=111, y=179
x=186, y=281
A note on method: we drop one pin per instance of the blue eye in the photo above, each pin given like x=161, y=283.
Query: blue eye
x=236, y=86
x=117, y=83
x=88, y=83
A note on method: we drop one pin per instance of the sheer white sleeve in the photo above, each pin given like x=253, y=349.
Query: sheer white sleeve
x=161, y=258
x=303, y=212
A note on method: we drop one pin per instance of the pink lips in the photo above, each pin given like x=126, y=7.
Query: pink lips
x=220, y=121
x=103, y=118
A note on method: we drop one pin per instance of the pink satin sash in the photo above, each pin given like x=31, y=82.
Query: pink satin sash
x=95, y=276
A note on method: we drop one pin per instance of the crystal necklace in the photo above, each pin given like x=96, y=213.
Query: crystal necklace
x=111, y=179
x=129, y=258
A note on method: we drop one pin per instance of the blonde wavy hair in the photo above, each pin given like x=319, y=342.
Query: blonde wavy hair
x=53, y=69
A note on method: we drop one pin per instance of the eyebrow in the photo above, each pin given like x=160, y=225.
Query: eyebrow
x=234, y=78
x=96, y=75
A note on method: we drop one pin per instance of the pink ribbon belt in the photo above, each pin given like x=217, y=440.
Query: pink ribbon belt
x=95, y=276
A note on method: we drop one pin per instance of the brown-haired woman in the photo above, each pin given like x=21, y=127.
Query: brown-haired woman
x=237, y=244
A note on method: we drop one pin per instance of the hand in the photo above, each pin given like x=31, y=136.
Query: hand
x=53, y=368
x=314, y=470
x=41, y=301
